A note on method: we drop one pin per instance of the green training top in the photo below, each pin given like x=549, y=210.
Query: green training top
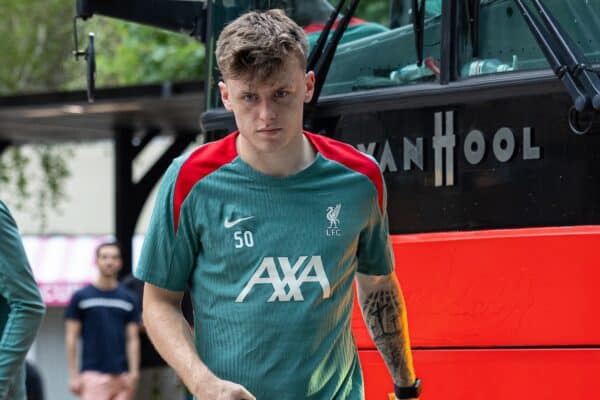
x=21, y=308
x=270, y=263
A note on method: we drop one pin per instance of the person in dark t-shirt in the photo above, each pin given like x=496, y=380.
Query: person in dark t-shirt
x=106, y=316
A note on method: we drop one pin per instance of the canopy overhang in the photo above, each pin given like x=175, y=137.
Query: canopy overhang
x=67, y=116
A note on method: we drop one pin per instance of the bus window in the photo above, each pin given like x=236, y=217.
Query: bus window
x=506, y=43
x=387, y=57
x=377, y=49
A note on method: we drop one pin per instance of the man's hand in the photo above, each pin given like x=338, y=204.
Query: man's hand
x=75, y=385
x=131, y=380
x=171, y=335
x=223, y=390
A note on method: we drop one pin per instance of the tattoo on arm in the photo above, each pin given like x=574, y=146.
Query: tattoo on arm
x=384, y=315
x=382, y=311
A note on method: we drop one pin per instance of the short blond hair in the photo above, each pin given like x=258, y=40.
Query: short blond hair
x=256, y=44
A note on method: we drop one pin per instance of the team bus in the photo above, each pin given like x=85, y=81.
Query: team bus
x=484, y=118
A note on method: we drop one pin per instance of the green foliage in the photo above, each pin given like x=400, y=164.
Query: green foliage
x=35, y=43
x=55, y=171
x=128, y=54
x=374, y=11
x=12, y=172
x=36, y=46
x=33, y=178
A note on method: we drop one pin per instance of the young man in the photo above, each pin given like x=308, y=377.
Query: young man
x=106, y=316
x=21, y=308
x=269, y=227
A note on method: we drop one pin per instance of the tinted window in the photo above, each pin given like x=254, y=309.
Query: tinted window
x=507, y=44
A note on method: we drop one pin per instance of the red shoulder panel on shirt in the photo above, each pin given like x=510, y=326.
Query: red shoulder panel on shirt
x=318, y=27
x=203, y=161
x=350, y=157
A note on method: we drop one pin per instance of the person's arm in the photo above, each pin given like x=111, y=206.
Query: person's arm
x=384, y=312
x=133, y=352
x=172, y=337
x=22, y=296
x=72, y=332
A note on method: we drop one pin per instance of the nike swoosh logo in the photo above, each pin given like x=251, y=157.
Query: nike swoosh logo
x=229, y=224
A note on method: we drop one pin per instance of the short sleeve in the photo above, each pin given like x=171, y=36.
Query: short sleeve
x=72, y=311
x=375, y=256
x=134, y=314
x=170, y=247
x=135, y=287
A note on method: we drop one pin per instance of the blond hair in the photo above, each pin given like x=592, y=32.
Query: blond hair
x=256, y=44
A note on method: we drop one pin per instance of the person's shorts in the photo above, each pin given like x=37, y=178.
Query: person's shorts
x=100, y=386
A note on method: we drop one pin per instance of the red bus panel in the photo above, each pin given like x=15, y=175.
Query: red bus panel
x=544, y=374
x=522, y=287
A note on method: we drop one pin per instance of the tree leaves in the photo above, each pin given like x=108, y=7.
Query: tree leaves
x=36, y=46
x=130, y=53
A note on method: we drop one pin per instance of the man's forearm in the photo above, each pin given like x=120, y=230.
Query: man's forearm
x=172, y=337
x=133, y=352
x=19, y=333
x=71, y=345
x=384, y=312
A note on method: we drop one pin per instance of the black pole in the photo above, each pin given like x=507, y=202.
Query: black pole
x=547, y=44
x=125, y=217
x=320, y=45
x=131, y=196
x=473, y=7
x=449, y=56
x=4, y=144
x=418, y=21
